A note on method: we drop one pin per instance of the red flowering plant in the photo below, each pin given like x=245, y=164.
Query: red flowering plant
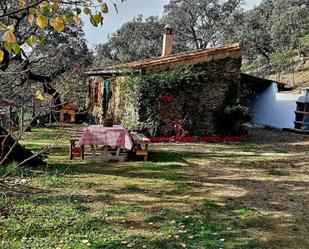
x=175, y=129
x=166, y=98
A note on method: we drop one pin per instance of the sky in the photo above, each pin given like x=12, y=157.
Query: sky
x=126, y=11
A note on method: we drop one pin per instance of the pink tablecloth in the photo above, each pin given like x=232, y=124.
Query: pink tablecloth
x=112, y=136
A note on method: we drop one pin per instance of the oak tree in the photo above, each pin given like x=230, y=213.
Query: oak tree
x=201, y=23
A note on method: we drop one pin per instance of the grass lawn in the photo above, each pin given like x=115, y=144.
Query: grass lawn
x=249, y=195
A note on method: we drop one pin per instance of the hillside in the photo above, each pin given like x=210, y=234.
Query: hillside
x=298, y=79
x=296, y=73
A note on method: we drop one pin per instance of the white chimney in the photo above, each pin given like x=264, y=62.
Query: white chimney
x=167, y=41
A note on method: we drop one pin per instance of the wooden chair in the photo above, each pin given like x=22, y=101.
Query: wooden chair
x=140, y=145
x=76, y=150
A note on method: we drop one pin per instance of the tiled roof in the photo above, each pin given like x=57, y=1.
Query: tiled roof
x=69, y=106
x=171, y=58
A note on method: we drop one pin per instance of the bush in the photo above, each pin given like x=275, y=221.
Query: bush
x=234, y=117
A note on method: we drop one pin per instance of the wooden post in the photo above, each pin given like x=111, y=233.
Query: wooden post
x=33, y=107
x=11, y=123
x=22, y=119
x=83, y=152
x=146, y=154
x=10, y=113
x=50, y=118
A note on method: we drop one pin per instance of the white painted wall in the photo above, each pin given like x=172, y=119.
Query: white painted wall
x=274, y=109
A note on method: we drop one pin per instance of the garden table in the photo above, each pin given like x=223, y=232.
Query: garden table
x=116, y=137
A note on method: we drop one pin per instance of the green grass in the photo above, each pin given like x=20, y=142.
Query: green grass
x=106, y=196
x=13, y=169
x=61, y=223
x=277, y=172
x=121, y=210
x=53, y=180
x=163, y=166
x=131, y=188
x=245, y=212
x=208, y=204
x=154, y=218
x=167, y=202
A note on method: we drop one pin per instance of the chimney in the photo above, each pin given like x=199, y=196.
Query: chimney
x=167, y=40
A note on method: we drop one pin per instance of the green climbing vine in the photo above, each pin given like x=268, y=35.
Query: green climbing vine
x=141, y=95
x=130, y=97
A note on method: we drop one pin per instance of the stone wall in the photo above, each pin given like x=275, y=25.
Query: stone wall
x=199, y=108
x=95, y=106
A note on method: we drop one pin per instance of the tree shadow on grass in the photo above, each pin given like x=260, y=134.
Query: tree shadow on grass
x=231, y=219
x=249, y=202
x=162, y=165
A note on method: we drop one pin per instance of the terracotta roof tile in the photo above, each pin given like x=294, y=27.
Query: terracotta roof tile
x=171, y=58
x=70, y=106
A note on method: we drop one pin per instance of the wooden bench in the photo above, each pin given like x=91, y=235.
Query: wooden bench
x=76, y=151
x=140, y=145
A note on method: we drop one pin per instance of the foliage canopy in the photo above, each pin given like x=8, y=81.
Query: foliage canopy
x=43, y=14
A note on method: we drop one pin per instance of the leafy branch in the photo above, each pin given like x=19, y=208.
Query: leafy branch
x=43, y=13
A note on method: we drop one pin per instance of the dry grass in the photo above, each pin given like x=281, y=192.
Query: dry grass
x=300, y=77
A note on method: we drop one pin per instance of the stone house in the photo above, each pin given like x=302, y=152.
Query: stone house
x=219, y=76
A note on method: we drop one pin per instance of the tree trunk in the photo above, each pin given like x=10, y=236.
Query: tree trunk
x=22, y=119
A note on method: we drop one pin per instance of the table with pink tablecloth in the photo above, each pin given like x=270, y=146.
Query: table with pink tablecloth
x=116, y=136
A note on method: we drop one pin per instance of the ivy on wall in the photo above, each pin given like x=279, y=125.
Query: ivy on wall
x=141, y=95
x=153, y=85
x=129, y=102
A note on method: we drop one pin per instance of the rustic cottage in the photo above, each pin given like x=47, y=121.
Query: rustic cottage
x=191, y=93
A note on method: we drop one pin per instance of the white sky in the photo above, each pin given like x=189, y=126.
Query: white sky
x=128, y=10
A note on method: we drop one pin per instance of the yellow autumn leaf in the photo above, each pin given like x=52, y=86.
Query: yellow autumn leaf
x=10, y=37
x=31, y=40
x=55, y=7
x=76, y=20
x=11, y=28
x=1, y=55
x=2, y=26
x=104, y=8
x=22, y=3
x=42, y=21
x=30, y=18
x=98, y=18
x=39, y=95
x=43, y=4
x=58, y=23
